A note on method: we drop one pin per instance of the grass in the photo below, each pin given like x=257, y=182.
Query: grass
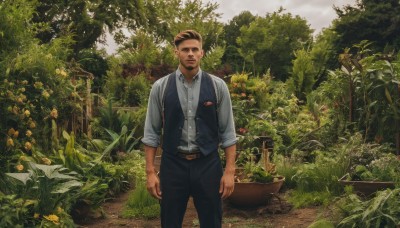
x=141, y=205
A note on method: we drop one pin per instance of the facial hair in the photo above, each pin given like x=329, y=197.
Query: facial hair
x=189, y=68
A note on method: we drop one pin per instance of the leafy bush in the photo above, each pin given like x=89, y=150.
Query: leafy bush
x=380, y=211
x=15, y=212
x=50, y=186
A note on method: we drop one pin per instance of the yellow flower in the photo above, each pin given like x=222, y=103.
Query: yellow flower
x=15, y=110
x=11, y=131
x=32, y=125
x=36, y=215
x=27, y=113
x=22, y=89
x=28, y=146
x=53, y=218
x=28, y=133
x=22, y=158
x=38, y=85
x=59, y=210
x=24, y=82
x=46, y=161
x=16, y=133
x=10, y=142
x=19, y=167
x=58, y=71
x=54, y=113
x=63, y=73
x=45, y=94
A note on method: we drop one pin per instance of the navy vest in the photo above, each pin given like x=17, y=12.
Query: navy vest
x=207, y=137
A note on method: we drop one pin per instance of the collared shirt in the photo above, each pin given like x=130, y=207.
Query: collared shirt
x=188, y=94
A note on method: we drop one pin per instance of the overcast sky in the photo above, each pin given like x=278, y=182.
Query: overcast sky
x=318, y=13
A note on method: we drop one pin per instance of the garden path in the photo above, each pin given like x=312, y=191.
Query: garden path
x=275, y=215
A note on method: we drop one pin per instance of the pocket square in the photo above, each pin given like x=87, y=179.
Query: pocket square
x=208, y=103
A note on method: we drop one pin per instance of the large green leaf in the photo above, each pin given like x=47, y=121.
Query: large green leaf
x=23, y=177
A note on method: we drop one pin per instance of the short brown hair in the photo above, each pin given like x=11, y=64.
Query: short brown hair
x=187, y=35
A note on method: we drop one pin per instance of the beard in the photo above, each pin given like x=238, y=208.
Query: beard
x=189, y=67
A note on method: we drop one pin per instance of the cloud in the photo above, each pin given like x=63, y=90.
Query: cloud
x=318, y=13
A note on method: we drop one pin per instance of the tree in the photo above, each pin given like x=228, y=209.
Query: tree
x=167, y=18
x=232, y=32
x=323, y=55
x=372, y=20
x=270, y=42
x=303, y=76
x=88, y=20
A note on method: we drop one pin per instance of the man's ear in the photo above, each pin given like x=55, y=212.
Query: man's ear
x=176, y=51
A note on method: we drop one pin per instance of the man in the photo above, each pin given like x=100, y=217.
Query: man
x=194, y=111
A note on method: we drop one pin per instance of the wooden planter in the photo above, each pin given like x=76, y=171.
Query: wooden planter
x=366, y=188
x=252, y=194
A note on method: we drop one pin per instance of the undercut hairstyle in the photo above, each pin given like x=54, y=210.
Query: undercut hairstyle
x=187, y=35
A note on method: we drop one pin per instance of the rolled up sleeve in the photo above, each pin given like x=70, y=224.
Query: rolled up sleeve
x=225, y=116
x=153, y=123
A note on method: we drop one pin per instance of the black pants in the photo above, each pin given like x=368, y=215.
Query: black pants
x=199, y=178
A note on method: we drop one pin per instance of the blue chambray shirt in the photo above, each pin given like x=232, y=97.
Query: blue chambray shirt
x=189, y=99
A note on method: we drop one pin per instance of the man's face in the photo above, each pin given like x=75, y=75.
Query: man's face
x=189, y=53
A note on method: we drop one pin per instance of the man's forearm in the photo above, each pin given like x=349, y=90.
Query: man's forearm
x=150, y=153
x=230, y=157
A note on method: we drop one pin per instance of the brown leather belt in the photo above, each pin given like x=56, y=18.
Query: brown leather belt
x=189, y=156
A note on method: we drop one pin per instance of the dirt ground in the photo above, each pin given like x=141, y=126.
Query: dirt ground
x=276, y=214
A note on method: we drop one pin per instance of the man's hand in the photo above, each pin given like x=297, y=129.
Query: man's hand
x=153, y=185
x=227, y=184
x=228, y=179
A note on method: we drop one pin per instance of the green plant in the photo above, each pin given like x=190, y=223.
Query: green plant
x=311, y=198
x=14, y=211
x=50, y=186
x=122, y=142
x=141, y=205
x=288, y=168
x=380, y=211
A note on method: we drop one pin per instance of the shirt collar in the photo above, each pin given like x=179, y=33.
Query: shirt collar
x=182, y=78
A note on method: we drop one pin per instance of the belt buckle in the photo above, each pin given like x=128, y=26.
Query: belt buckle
x=190, y=157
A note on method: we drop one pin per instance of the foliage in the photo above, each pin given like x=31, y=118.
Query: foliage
x=14, y=212
x=232, y=32
x=366, y=98
x=49, y=186
x=321, y=223
x=120, y=143
x=88, y=20
x=212, y=59
x=375, y=21
x=168, y=18
x=286, y=167
x=130, y=91
x=72, y=158
x=141, y=204
x=324, y=55
x=303, y=76
x=301, y=199
x=369, y=155
x=386, y=167
x=268, y=43
x=14, y=30
x=380, y=211
x=322, y=175
x=257, y=173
